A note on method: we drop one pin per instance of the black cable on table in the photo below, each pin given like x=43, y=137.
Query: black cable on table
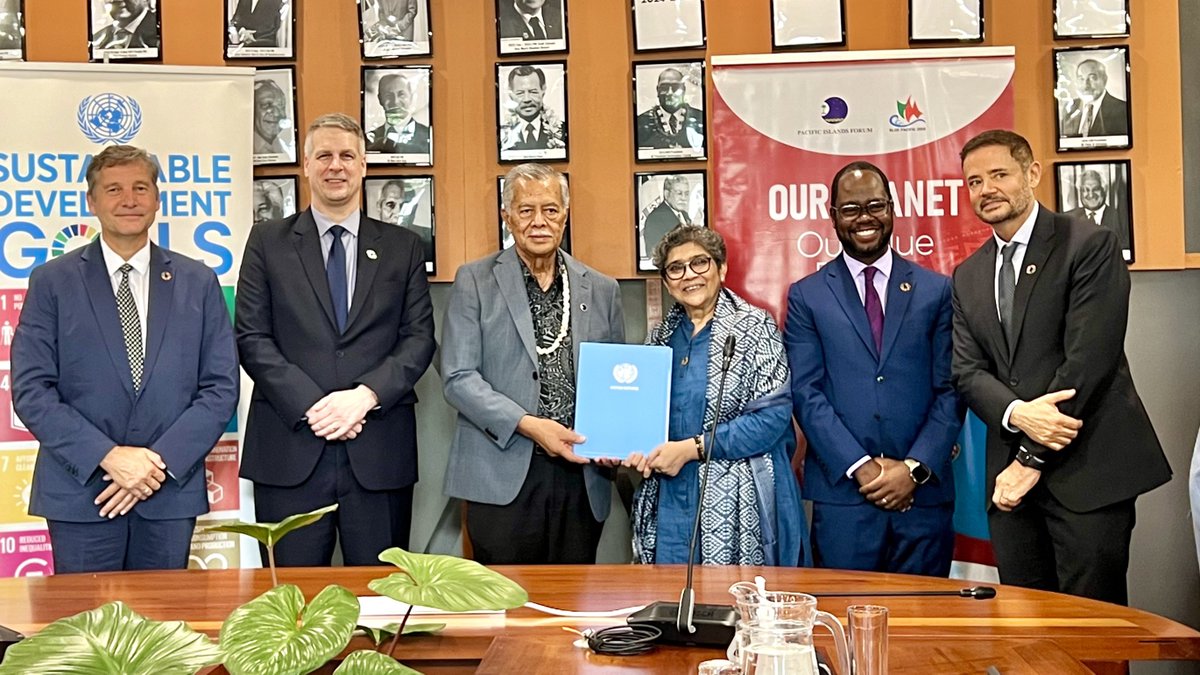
x=622, y=640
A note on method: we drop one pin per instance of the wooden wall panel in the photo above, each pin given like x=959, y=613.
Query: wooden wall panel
x=600, y=101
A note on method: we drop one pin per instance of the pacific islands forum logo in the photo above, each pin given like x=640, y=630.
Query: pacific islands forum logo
x=834, y=110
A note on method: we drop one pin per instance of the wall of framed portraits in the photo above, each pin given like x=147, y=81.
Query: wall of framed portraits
x=465, y=67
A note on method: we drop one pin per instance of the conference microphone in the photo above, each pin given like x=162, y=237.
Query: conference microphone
x=686, y=622
x=975, y=592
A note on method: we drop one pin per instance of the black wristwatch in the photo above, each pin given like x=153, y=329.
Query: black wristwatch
x=919, y=473
x=1027, y=458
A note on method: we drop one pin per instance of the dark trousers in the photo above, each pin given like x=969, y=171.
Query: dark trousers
x=1042, y=544
x=366, y=522
x=127, y=542
x=550, y=521
x=866, y=537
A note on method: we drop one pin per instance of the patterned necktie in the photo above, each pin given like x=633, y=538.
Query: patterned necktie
x=1007, y=286
x=131, y=326
x=335, y=271
x=1088, y=113
x=1091, y=215
x=874, y=307
x=535, y=24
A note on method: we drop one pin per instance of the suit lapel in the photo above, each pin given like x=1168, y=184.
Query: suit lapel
x=841, y=283
x=308, y=248
x=1041, y=243
x=367, y=266
x=512, y=288
x=162, y=295
x=897, y=302
x=98, y=287
x=581, y=303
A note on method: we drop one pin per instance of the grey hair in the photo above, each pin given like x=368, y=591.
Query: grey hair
x=537, y=173
x=334, y=121
x=707, y=239
x=674, y=179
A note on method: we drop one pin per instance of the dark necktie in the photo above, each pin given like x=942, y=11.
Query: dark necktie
x=528, y=134
x=1088, y=118
x=535, y=24
x=1007, y=286
x=1092, y=217
x=131, y=326
x=874, y=308
x=335, y=270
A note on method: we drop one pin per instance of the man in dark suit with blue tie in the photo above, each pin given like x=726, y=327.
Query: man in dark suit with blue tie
x=335, y=327
x=125, y=370
x=868, y=338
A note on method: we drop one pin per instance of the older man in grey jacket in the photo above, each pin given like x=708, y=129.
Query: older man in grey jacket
x=509, y=354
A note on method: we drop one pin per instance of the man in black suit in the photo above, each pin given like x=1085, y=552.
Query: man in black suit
x=532, y=127
x=670, y=212
x=335, y=326
x=672, y=123
x=400, y=132
x=531, y=19
x=1094, y=207
x=1096, y=112
x=134, y=26
x=255, y=23
x=1039, y=328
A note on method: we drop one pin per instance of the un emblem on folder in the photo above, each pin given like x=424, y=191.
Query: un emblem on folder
x=625, y=373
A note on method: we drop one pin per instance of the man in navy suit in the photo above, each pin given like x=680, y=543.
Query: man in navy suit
x=335, y=327
x=125, y=370
x=868, y=338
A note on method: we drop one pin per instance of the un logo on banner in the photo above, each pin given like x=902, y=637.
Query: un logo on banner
x=625, y=373
x=109, y=118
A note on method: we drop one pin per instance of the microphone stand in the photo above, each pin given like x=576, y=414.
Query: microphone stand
x=687, y=622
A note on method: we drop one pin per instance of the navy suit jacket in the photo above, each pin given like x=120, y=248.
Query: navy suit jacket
x=72, y=387
x=852, y=400
x=291, y=348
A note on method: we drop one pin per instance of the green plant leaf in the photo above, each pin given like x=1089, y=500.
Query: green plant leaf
x=446, y=583
x=112, y=639
x=378, y=634
x=269, y=533
x=367, y=662
x=277, y=633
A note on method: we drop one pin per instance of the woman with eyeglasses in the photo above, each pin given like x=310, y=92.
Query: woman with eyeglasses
x=751, y=513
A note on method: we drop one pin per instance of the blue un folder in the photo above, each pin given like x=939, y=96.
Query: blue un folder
x=622, y=398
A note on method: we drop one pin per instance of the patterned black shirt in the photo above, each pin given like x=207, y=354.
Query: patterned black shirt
x=556, y=370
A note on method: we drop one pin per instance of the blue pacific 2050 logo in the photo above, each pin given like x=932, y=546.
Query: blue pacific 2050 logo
x=109, y=118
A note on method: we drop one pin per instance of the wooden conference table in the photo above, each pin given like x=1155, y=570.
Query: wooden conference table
x=926, y=633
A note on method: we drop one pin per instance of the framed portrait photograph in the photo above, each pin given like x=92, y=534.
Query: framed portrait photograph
x=260, y=29
x=667, y=199
x=124, y=30
x=945, y=20
x=275, y=116
x=506, y=236
x=406, y=201
x=531, y=27
x=390, y=29
x=275, y=198
x=1098, y=192
x=1090, y=19
x=531, y=110
x=1091, y=87
x=796, y=24
x=12, y=30
x=397, y=114
x=668, y=24
x=669, y=121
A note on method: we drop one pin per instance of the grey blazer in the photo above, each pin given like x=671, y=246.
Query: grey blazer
x=489, y=370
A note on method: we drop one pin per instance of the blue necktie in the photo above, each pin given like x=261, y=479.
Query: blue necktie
x=335, y=270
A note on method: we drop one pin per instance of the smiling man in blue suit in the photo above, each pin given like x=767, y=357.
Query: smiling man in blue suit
x=125, y=370
x=868, y=338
